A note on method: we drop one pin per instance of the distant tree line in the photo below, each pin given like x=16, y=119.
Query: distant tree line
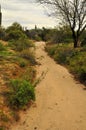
x=57, y=35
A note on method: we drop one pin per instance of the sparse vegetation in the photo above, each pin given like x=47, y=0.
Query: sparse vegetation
x=29, y=74
x=29, y=55
x=3, y=117
x=74, y=59
x=21, y=44
x=17, y=74
x=17, y=66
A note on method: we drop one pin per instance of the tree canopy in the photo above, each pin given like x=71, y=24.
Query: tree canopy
x=72, y=12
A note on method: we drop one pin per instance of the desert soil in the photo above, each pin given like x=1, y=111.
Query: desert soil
x=60, y=100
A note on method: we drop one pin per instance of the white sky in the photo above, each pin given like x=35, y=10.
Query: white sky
x=26, y=12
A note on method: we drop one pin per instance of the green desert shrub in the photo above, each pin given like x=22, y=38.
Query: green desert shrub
x=74, y=59
x=51, y=50
x=21, y=44
x=2, y=47
x=29, y=55
x=77, y=65
x=61, y=54
x=15, y=32
x=14, y=35
x=21, y=93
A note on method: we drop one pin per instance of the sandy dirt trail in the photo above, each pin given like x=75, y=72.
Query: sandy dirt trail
x=60, y=100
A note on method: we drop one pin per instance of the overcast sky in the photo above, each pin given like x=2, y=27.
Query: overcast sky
x=26, y=12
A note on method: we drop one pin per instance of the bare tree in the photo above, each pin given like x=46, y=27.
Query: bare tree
x=0, y=16
x=73, y=12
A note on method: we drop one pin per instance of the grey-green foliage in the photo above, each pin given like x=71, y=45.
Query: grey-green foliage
x=14, y=32
x=28, y=55
x=21, y=44
x=75, y=60
x=21, y=93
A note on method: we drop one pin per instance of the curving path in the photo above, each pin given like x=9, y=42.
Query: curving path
x=60, y=102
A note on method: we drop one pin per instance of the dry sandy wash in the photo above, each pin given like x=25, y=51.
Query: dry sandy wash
x=60, y=100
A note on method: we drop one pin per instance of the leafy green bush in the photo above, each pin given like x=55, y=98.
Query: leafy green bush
x=21, y=93
x=15, y=35
x=14, y=32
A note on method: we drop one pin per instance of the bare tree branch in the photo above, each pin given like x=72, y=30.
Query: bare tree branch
x=72, y=11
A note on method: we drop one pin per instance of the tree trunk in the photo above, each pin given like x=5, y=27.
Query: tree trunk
x=75, y=38
x=75, y=43
x=0, y=18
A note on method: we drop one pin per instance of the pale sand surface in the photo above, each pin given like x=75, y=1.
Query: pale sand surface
x=60, y=100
